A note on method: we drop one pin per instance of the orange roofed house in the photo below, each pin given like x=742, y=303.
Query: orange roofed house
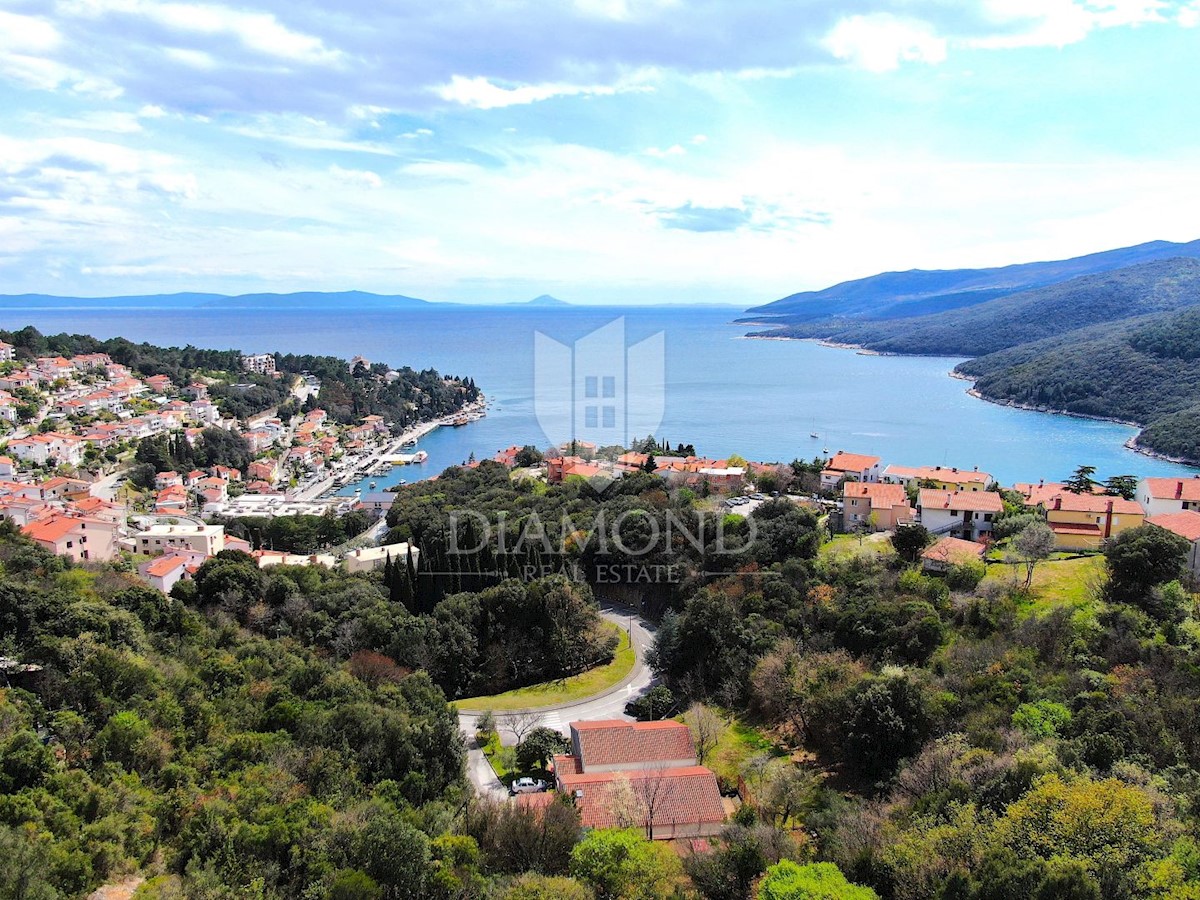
x=1086, y=521
x=849, y=465
x=880, y=507
x=1161, y=496
x=673, y=796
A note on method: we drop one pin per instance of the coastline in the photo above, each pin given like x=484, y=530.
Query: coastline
x=1130, y=444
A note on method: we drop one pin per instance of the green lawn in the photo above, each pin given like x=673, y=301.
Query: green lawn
x=550, y=693
x=847, y=545
x=1056, y=581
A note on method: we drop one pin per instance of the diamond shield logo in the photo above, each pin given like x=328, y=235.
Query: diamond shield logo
x=599, y=391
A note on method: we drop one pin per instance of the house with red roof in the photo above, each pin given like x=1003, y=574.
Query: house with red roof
x=1160, y=496
x=655, y=761
x=164, y=572
x=171, y=501
x=1087, y=521
x=948, y=551
x=964, y=514
x=856, y=466
x=79, y=537
x=1186, y=524
x=880, y=507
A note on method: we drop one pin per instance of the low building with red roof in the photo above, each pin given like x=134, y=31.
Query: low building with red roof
x=654, y=763
x=948, y=551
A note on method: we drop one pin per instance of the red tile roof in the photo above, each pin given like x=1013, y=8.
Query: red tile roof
x=882, y=496
x=1092, y=503
x=616, y=742
x=852, y=462
x=939, y=473
x=673, y=797
x=948, y=549
x=972, y=501
x=1186, y=524
x=1175, y=488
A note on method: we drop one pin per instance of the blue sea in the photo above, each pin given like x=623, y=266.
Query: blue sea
x=724, y=393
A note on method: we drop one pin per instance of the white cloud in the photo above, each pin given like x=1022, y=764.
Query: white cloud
x=356, y=177
x=27, y=34
x=661, y=153
x=880, y=42
x=480, y=93
x=260, y=32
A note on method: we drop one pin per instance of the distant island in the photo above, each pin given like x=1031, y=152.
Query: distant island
x=544, y=300
x=1120, y=342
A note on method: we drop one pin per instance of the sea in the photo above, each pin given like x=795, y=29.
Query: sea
x=724, y=393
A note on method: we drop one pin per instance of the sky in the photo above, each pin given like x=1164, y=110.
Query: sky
x=603, y=151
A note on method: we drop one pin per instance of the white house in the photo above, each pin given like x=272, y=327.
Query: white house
x=1161, y=496
x=961, y=514
x=208, y=540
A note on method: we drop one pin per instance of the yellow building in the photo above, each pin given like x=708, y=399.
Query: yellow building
x=1086, y=521
x=942, y=478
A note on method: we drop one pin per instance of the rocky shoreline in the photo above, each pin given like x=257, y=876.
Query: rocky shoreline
x=1131, y=444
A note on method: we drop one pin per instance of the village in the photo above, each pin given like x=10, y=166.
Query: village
x=75, y=424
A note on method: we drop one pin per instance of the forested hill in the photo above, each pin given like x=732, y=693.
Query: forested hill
x=1115, y=345
x=892, y=295
x=1144, y=370
x=1020, y=318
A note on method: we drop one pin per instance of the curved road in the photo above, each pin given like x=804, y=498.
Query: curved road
x=608, y=704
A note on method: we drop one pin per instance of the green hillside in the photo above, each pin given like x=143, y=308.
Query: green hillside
x=1144, y=370
x=919, y=292
x=1020, y=318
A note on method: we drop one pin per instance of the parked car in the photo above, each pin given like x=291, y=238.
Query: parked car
x=527, y=786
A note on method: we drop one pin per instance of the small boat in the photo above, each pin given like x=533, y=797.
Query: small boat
x=460, y=421
x=813, y=435
x=372, y=485
x=420, y=456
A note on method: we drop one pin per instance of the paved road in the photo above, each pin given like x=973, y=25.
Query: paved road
x=608, y=704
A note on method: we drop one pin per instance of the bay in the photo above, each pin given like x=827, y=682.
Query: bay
x=724, y=393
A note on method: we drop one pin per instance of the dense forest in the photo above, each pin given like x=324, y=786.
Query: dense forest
x=409, y=396
x=284, y=732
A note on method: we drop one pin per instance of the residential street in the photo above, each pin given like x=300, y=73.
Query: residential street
x=609, y=704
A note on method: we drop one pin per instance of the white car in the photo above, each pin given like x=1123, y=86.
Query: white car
x=527, y=786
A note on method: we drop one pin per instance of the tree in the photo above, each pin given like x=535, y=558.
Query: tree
x=651, y=464
x=787, y=880
x=1123, y=486
x=539, y=746
x=910, y=542
x=1032, y=545
x=1142, y=558
x=354, y=884
x=520, y=723
x=620, y=864
x=887, y=722
x=706, y=728
x=1081, y=481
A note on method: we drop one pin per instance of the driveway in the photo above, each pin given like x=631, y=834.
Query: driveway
x=608, y=704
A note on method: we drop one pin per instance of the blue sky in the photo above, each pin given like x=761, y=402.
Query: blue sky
x=626, y=151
